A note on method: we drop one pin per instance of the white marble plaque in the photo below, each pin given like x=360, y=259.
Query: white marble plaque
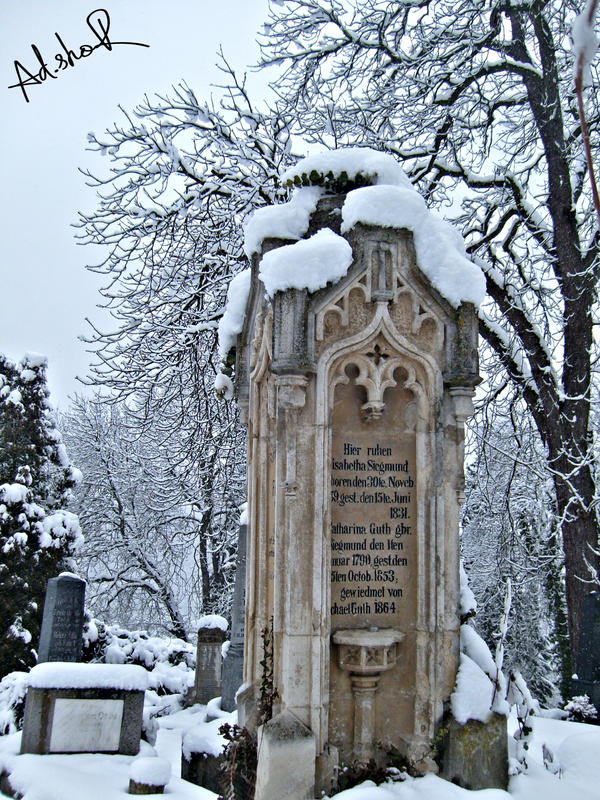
x=86, y=726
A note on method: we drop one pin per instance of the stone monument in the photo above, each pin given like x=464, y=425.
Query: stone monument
x=62, y=623
x=355, y=396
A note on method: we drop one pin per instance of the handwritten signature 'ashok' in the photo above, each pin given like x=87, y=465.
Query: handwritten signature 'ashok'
x=98, y=22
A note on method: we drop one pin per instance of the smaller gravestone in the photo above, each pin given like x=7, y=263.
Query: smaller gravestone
x=233, y=665
x=84, y=708
x=212, y=632
x=588, y=658
x=62, y=623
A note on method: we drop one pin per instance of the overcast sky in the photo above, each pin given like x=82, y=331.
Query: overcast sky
x=45, y=292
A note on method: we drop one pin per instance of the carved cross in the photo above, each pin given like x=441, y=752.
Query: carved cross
x=377, y=355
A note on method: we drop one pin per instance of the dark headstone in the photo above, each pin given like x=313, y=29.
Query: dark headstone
x=203, y=769
x=208, y=664
x=233, y=665
x=62, y=623
x=588, y=657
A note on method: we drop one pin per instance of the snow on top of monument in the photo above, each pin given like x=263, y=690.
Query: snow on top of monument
x=308, y=264
x=232, y=321
x=150, y=771
x=68, y=675
x=283, y=221
x=212, y=621
x=440, y=248
x=381, y=168
x=473, y=692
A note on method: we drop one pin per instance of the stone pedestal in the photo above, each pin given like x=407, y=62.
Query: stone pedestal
x=62, y=623
x=233, y=665
x=365, y=654
x=96, y=717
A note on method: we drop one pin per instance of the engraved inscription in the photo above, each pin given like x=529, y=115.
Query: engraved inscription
x=86, y=726
x=372, y=495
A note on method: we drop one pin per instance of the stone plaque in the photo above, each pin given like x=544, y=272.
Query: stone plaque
x=373, y=512
x=80, y=726
x=62, y=623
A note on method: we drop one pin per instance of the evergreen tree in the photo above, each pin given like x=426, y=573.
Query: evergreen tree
x=37, y=536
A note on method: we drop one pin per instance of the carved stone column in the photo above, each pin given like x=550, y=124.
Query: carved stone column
x=365, y=654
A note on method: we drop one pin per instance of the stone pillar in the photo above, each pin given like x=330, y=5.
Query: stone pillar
x=233, y=665
x=208, y=664
x=62, y=623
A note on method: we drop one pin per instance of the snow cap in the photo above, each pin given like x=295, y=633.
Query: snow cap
x=307, y=264
x=372, y=166
x=69, y=675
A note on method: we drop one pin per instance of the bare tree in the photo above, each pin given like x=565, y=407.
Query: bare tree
x=158, y=546
x=477, y=99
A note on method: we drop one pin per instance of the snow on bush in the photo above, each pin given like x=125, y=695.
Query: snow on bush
x=13, y=689
x=580, y=709
x=170, y=663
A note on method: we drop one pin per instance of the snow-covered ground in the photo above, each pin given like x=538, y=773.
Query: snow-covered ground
x=576, y=747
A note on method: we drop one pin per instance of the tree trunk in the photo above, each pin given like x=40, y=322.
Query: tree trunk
x=580, y=535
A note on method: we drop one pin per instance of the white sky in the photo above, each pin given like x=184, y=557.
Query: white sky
x=45, y=292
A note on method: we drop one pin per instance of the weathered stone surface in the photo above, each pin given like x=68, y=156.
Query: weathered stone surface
x=286, y=759
x=116, y=733
x=475, y=755
x=62, y=623
x=233, y=665
x=203, y=770
x=207, y=684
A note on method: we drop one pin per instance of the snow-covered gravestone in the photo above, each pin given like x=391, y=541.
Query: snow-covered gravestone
x=212, y=632
x=84, y=708
x=356, y=362
x=62, y=622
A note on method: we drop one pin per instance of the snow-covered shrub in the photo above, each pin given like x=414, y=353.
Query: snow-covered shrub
x=170, y=661
x=12, y=702
x=581, y=710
